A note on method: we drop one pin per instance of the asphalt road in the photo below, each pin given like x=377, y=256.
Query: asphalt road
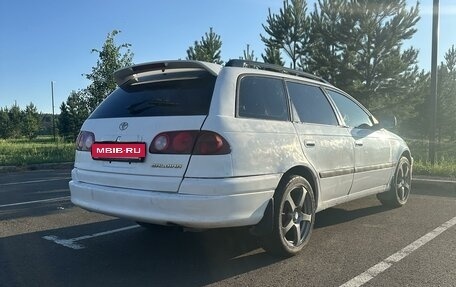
x=46, y=241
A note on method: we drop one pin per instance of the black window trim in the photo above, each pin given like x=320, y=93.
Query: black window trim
x=291, y=117
x=287, y=98
x=322, y=88
x=339, y=114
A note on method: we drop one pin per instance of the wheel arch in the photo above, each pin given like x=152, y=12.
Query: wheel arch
x=266, y=223
x=306, y=172
x=408, y=155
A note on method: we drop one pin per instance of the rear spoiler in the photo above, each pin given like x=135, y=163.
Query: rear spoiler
x=129, y=74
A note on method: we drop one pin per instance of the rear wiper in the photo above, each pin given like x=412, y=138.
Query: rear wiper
x=145, y=105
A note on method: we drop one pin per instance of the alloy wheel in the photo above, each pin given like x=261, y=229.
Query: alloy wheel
x=296, y=216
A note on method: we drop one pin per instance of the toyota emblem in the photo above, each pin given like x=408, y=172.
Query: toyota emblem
x=123, y=126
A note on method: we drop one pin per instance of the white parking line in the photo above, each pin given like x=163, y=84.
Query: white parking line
x=72, y=242
x=36, y=201
x=370, y=273
x=34, y=181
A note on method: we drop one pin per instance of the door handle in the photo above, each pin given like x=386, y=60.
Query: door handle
x=309, y=143
x=358, y=143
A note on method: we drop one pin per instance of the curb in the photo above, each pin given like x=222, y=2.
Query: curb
x=41, y=166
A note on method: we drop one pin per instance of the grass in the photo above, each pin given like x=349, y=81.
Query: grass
x=441, y=169
x=445, y=165
x=20, y=152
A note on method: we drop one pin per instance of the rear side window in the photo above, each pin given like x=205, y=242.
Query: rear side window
x=182, y=97
x=311, y=104
x=262, y=98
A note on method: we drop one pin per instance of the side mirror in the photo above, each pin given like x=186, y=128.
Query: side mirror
x=387, y=122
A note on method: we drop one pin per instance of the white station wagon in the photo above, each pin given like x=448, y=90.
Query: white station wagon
x=199, y=145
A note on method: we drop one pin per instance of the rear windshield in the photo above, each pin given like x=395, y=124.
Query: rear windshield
x=185, y=97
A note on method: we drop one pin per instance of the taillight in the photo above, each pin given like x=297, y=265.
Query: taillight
x=177, y=142
x=188, y=142
x=84, y=141
x=160, y=143
x=210, y=143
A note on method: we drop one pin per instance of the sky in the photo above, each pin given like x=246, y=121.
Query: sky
x=50, y=40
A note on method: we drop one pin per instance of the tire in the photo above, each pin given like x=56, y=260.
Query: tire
x=400, y=186
x=294, y=217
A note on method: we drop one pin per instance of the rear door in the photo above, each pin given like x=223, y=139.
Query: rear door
x=327, y=145
x=163, y=101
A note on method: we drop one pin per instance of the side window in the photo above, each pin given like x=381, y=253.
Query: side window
x=262, y=98
x=353, y=115
x=311, y=104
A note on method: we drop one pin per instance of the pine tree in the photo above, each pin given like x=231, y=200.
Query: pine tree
x=416, y=123
x=63, y=121
x=333, y=48
x=15, y=116
x=288, y=30
x=248, y=55
x=446, y=103
x=358, y=46
x=385, y=68
x=208, y=49
x=31, y=121
x=5, y=131
x=272, y=55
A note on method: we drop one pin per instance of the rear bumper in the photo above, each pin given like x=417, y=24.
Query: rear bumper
x=203, y=210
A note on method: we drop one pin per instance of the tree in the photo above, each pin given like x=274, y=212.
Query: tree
x=79, y=104
x=73, y=114
x=248, y=55
x=64, y=121
x=287, y=30
x=332, y=44
x=5, y=131
x=111, y=58
x=357, y=45
x=46, y=124
x=31, y=122
x=272, y=55
x=446, y=103
x=385, y=69
x=208, y=49
x=15, y=119
x=416, y=124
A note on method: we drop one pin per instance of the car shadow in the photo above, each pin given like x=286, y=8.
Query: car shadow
x=338, y=215
x=136, y=257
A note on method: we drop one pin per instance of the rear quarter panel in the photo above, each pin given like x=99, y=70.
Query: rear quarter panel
x=257, y=146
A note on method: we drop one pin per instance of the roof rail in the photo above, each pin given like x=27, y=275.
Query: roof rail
x=128, y=75
x=272, y=67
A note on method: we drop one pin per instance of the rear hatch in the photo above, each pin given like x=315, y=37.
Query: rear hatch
x=151, y=99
